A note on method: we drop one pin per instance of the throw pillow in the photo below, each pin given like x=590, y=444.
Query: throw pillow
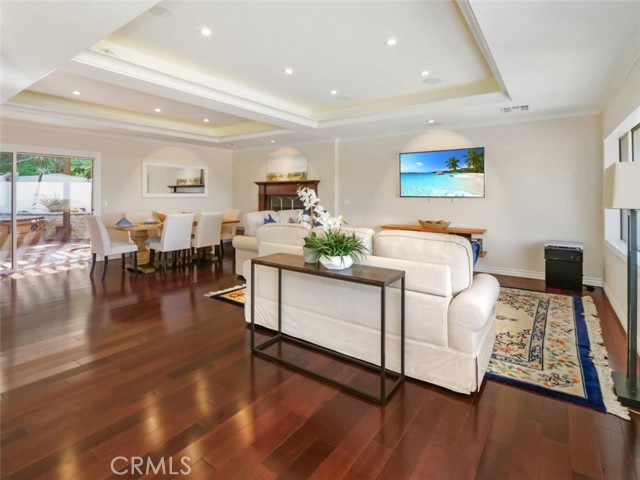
x=293, y=220
x=269, y=219
x=475, y=247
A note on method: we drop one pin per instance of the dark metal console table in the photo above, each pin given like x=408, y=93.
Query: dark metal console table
x=362, y=274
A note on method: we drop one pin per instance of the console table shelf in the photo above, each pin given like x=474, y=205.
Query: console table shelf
x=381, y=278
x=468, y=233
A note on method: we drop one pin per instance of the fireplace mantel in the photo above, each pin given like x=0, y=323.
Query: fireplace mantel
x=282, y=195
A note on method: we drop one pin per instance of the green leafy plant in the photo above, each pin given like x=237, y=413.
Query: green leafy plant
x=336, y=243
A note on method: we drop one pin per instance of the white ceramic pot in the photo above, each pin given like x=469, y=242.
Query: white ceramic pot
x=336, y=263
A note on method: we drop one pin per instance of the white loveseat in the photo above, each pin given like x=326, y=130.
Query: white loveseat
x=449, y=313
x=246, y=246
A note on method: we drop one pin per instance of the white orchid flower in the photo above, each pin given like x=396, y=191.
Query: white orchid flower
x=315, y=214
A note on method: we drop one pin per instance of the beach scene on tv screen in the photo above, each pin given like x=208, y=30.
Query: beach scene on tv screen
x=443, y=173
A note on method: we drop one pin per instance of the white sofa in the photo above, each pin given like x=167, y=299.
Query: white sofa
x=449, y=313
x=246, y=246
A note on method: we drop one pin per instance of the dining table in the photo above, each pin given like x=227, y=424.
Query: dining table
x=140, y=232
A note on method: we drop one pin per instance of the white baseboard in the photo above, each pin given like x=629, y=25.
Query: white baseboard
x=595, y=282
x=619, y=311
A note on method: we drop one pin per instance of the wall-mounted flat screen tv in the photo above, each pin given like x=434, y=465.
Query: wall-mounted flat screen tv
x=443, y=173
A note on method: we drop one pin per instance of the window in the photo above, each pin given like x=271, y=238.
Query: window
x=629, y=148
x=47, y=199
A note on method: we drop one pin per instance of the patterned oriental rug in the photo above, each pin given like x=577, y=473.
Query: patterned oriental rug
x=547, y=343
x=552, y=344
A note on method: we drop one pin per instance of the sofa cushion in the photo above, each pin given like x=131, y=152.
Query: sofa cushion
x=289, y=216
x=253, y=220
x=284, y=233
x=419, y=277
x=438, y=248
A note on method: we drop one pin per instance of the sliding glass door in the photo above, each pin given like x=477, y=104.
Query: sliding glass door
x=42, y=209
x=7, y=259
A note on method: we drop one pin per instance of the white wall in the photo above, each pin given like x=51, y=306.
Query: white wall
x=250, y=166
x=624, y=103
x=543, y=181
x=121, y=167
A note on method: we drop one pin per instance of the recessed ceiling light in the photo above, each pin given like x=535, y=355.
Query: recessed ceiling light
x=273, y=141
x=288, y=71
x=205, y=32
x=392, y=41
x=333, y=92
x=431, y=121
x=157, y=110
x=424, y=73
x=76, y=92
x=206, y=120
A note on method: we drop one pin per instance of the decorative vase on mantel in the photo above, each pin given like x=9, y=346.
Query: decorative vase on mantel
x=336, y=263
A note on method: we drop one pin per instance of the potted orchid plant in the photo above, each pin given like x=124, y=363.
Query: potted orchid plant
x=334, y=248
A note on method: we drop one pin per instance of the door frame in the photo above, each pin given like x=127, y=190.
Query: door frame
x=96, y=184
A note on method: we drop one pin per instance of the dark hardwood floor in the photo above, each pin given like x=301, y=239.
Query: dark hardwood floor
x=147, y=367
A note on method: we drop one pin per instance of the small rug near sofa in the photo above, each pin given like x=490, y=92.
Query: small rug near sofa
x=552, y=344
x=234, y=295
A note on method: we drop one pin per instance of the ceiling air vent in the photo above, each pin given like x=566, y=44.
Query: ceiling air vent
x=515, y=108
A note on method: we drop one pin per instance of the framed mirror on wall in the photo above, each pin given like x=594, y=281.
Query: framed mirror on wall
x=173, y=180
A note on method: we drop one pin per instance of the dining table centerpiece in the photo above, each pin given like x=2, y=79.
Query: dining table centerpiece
x=334, y=248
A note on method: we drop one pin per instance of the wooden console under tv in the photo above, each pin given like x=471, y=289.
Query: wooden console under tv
x=463, y=232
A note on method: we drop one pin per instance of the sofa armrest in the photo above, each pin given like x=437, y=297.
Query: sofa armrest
x=245, y=242
x=471, y=308
x=268, y=248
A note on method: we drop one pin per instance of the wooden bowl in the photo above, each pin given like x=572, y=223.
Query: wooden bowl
x=434, y=224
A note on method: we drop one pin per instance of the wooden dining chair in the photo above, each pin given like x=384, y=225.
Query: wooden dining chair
x=102, y=244
x=207, y=234
x=228, y=230
x=175, y=238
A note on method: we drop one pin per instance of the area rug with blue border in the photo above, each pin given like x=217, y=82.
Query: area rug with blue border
x=552, y=344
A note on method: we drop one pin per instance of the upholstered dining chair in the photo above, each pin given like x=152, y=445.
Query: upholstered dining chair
x=176, y=237
x=207, y=233
x=228, y=230
x=102, y=244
